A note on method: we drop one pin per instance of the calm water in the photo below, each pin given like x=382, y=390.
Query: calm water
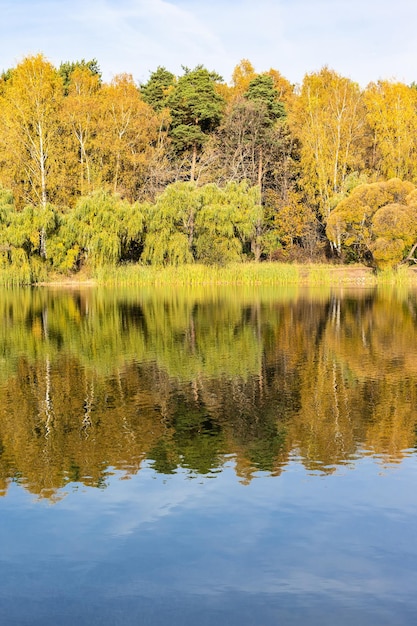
x=218, y=456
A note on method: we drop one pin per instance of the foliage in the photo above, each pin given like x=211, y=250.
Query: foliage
x=126, y=134
x=81, y=113
x=156, y=91
x=328, y=120
x=67, y=69
x=376, y=218
x=227, y=220
x=196, y=110
x=100, y=230
x=261, y=89
x=31, y=143
x=67, y=134
x=208, y=224
x=391, y=113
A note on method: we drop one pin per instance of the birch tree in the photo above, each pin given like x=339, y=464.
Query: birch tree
x=328, y=118
x=30, y=109
x=391, y=111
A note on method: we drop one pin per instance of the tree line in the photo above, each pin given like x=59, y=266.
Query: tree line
x=189, y=168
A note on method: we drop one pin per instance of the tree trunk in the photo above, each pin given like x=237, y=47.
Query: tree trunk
x=193, y=163
x=44, y=197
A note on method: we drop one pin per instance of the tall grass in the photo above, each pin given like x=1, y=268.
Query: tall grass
x=248, y=274
x=235, y=274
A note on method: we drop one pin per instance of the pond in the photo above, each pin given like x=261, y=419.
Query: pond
x=208, y=456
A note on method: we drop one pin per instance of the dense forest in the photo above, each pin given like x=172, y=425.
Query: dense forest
x=188, y=168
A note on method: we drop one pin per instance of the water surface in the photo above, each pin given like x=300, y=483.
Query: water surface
x=213, y=456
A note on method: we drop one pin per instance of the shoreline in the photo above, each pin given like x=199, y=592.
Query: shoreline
x=244, y=274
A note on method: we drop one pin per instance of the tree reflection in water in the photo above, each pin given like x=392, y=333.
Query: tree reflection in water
x=95, y=380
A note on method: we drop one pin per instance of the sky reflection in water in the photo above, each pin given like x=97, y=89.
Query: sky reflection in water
x=290, y=548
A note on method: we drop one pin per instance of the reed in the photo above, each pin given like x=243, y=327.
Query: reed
x=236, y=274
x=195, y=274
x=245, y=274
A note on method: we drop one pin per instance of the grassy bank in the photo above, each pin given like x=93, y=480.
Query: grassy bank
x=233, y=274
x=254, y=274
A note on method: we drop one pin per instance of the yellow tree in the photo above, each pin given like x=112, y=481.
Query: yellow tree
x=81, y=113
x=378, y=219
x=283, y=86
x=30, y=109
x=127, y=136
x=329, y=121
x=392, y=115
x=243, y=74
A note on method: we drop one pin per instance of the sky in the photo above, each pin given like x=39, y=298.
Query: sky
x=365, y=40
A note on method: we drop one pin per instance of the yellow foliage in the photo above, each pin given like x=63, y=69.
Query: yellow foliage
x=379, y=218
x=328, y=119
x=391, y=113
x=30, y=115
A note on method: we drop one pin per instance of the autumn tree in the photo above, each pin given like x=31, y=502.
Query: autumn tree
x=391, y=112
x=31, y=143
x=81, y=113
x=377, y=219
x=125, y=137
x=67, y=69
x=328, y=119
x=243, y=74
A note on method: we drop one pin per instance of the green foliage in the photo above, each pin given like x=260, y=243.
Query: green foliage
x=209, y=224
x=196, y=107
x=261, y=90
x=103, y=227
x=156, y=91
x=170, y=225
x=20, y=239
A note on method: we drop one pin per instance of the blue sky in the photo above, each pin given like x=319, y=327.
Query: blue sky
x=365, y=40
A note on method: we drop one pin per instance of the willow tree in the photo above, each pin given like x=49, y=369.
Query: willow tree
x=227, y=220
x=31, y=142
x=101, y=230
x=21, y=238
x=209, y=224
x=170, y=224
x=328, y=119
